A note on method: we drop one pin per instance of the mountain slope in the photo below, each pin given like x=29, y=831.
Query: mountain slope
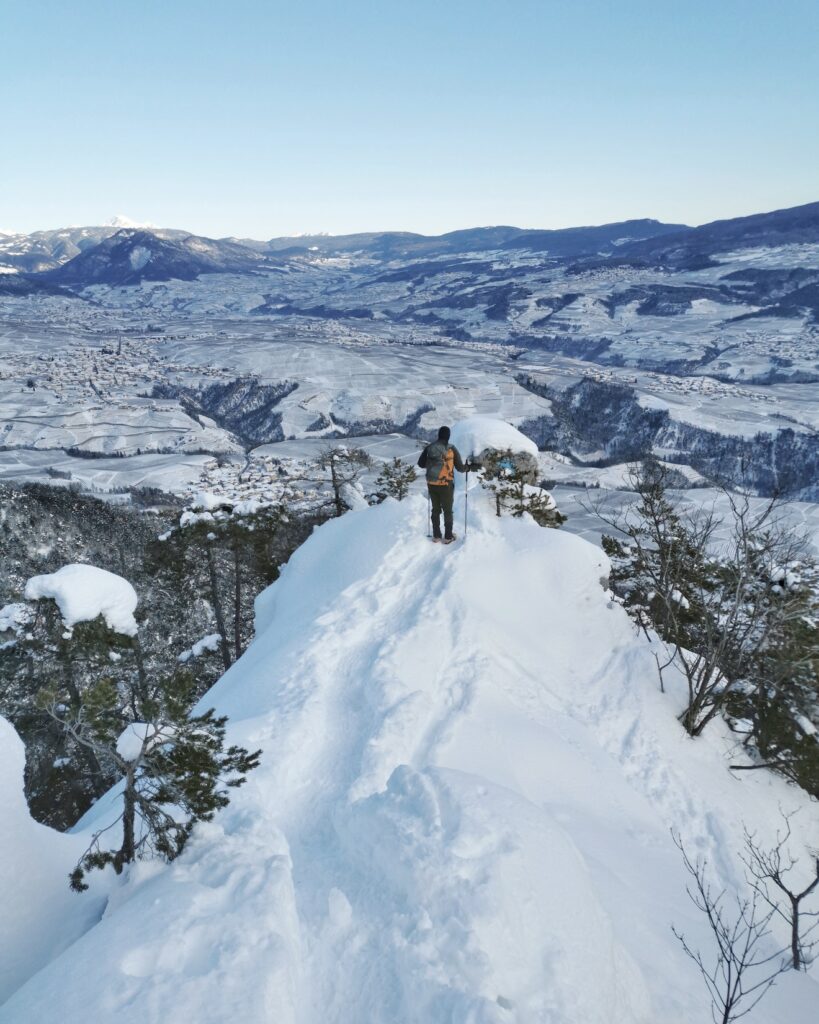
x=133, y=255
x=45, y=250
x=798, y=224
x=569, y=242
x=462, y=814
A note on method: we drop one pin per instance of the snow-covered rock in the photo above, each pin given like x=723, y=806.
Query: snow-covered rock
x=82, y=592
x=478, y=434
x=462, y=812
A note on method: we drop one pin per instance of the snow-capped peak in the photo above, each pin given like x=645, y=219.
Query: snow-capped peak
x=121, y=221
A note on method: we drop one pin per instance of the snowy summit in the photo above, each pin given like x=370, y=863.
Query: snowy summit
x=83, y=592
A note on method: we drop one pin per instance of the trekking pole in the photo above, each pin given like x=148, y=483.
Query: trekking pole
x=466, y=503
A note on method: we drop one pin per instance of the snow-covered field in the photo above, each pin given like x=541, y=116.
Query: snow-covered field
x=127, y=427
x=463, y=812
x=171, y=473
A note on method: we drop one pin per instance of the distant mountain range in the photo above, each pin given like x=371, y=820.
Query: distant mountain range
x=561, y=242
x=74, y=258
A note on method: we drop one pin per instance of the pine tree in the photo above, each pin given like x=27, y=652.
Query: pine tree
x=73, y=660
x=178, y=772
x=513, y=486
x=395, y=478
x=225, y=557
x=43, y=528
x=174, y=768
x=780, y=698
x=737, y=618
x=345, y=466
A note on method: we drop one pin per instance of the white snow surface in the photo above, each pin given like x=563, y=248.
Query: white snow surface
x=206, y=501
x=129, y=744
x=211, y=642
x=132, y=738
x=83, y=592
x=475, y=434
x=13, y=616
x=353, y=497
x=41, y=917
x=462, y=813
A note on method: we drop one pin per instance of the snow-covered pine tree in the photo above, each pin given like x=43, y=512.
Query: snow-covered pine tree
x=125, y=725
x=43, y=528
x=73, y=660
x=515, y=490
x=737, y=618
x=225, y=556
x=395, y=478
x=777, y=708
x=345, y=466
x=174, y=767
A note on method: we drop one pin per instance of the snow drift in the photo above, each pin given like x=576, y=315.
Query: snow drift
x=462, y=813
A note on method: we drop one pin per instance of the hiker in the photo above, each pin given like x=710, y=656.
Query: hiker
x=440, y=460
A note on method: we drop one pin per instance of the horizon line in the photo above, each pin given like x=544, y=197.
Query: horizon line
x=390, y=231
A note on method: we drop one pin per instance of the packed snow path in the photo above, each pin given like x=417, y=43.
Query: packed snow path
x=462, y=814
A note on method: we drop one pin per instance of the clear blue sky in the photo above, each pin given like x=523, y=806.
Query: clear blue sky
x=256, y=118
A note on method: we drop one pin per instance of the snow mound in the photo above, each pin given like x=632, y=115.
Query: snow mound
x=475, y=435
x=83, y=592
x=41, y=917
x=462, y=814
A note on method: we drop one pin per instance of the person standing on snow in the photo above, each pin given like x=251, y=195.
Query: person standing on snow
x=440, y=460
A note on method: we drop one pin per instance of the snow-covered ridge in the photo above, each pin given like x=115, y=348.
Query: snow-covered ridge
x=462, y=812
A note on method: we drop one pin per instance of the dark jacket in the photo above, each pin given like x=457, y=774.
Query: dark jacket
x=440, y=460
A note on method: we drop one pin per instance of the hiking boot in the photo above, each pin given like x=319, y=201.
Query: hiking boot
x=437, y=540
x=449, y=540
